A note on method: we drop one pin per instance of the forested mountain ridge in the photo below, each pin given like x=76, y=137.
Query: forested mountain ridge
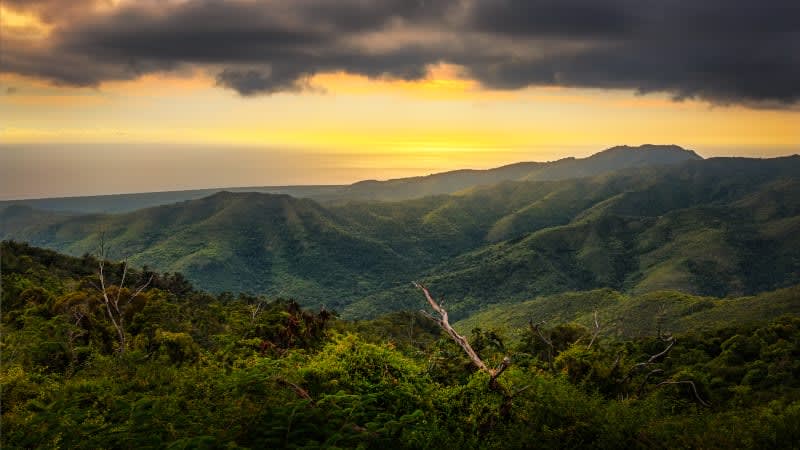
x=615, y=158
x=239, y=242
x=606, y=161
x=723, y=226
x=718, y=227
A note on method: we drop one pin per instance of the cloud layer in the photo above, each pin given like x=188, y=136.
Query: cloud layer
x=722, y=51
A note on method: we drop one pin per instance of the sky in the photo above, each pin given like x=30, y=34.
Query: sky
x=112, y=96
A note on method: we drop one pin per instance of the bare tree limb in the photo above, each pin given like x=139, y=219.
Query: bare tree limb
x=537, y=327
x=650, y=361
x=647, y=377
x=550, y=348
x=255, y=310
x=122, y=282
x=444, y=323
x=115, y=313
x=302, y=393
x=694, y=389
x=496, y=372
x=411, y=330
x=596, y=331
x=141, y=288
x=616, y=361
x=521, y=390
x=106, y=299
x=653, y=358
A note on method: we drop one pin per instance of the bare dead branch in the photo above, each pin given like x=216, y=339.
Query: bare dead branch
x=550, y=348
x=122, y=282
x=302, y=393
x=255, y=310
x=521, y=390
x=500, y=368
x=444, y=322
x=141, y=288
x=411, y=330
x=650, y=361
x=108, y=303
x=616, y=362
x=596, y=331
x=666, y=350
x=115, y=313
x=647, y=377
x=694, y=389
x=537, y=327
x=78, y=314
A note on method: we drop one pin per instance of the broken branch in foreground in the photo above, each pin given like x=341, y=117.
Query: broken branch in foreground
x=690, y=383
x=462, y=342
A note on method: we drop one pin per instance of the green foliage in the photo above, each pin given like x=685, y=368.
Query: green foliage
x=625, y=316
x=224, y=371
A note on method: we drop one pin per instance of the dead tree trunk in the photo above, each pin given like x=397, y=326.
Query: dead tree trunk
x=115, y=309
x=536, y=327
x=652, y=360
x=596, y=331
x=462, y=342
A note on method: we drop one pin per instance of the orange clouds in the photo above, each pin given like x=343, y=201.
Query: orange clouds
x=23, y=26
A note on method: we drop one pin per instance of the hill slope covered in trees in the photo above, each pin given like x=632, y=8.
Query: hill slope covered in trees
x=223, y=371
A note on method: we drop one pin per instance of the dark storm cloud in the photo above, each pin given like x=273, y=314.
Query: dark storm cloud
x=554, y=18
x=262, y=47
x=723, y=51
x=291, y=76
x=253, y=81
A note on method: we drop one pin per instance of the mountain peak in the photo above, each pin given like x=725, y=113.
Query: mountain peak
x=659, y=151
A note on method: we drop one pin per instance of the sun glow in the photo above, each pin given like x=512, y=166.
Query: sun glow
x=443, y=117
x=23, y=26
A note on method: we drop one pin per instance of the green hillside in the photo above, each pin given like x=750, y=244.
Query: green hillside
x=188, y=369
x=258, y=243
x=609, y=160
x=720, y=227
x=631, y=315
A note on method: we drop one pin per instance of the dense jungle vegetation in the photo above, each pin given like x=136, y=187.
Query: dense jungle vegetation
x=200, y=370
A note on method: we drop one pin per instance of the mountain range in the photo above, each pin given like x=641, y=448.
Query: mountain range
x=635, y=220
x=398, y=189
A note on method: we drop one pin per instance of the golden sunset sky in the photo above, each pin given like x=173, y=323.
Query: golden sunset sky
x=182, y=124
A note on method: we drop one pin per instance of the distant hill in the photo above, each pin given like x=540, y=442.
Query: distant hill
x=238, y=242
x=723, y=226
x=121, y=203
x=615, y=158
x=398, y=189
